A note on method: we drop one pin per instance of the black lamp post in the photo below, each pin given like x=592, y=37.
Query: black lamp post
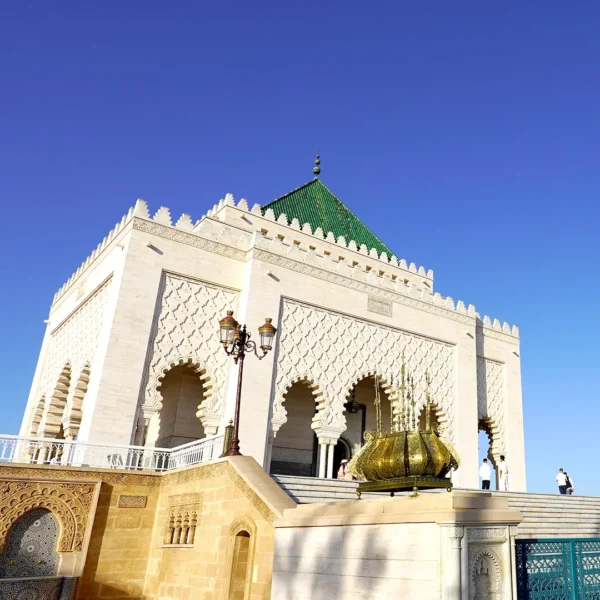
x=236, y=342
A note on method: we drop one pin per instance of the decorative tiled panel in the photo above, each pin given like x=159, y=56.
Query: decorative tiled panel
x=38, y=589
x=30, y=550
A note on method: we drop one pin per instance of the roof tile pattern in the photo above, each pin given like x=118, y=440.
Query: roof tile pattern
x=316, y=204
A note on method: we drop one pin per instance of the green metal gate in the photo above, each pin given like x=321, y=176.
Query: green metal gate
x=559, y=569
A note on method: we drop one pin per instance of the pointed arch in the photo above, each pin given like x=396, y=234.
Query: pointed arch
x=493, y=433
x=71, y=529
x=182, y=390
x=242, y=543
x=438, y=419
x=209, y=422
x=36, y=418
x=280, y=417
x=72, y=421
x=294, y=442
x=56, y=403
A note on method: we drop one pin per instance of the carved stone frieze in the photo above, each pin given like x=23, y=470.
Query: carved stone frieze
x=185, y=330
x=69, y=502
x=126, y=501
x=313, y=339
x=190, y=239
x=112, y=477
x=487, y=534
x=359, y=286
x=221, y=469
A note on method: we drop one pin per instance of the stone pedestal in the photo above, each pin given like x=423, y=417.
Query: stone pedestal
x=453, y=546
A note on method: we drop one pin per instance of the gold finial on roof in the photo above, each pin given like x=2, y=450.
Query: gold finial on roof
x=317, y=168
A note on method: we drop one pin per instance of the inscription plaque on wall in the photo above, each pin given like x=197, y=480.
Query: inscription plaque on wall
x=132, y=501
x=379, y=306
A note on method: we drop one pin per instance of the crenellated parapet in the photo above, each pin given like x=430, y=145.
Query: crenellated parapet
x=317, y=253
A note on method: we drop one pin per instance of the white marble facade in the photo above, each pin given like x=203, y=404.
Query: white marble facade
x=149, y=298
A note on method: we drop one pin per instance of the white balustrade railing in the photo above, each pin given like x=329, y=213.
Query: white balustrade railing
x=47, y=451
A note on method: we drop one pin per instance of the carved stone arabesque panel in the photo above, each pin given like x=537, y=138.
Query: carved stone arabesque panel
x=132, y=501
x=486, y=572
x=186, y=328
x=69, y=502
x=75, y=341
x=491, y=398
x=334, y=351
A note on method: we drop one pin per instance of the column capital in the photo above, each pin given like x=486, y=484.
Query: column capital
x=455, y=535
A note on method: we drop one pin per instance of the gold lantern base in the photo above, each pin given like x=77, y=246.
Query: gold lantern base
x=403, y=484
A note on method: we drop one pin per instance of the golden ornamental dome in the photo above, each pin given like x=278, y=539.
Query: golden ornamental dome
x=401, y=454
x=407, y=456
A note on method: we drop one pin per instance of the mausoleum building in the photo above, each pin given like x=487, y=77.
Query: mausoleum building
x=131, y=354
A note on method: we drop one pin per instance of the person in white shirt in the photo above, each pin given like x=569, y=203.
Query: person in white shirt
x=485, y=473
x=561, y=479
x=503, y=473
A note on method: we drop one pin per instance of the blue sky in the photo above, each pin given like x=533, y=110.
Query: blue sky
x=464, y=134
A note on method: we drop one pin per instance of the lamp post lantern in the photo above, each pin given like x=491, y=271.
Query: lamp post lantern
x=236, y=342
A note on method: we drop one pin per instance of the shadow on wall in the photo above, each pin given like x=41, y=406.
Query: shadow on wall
x=88, y=588
x=360, y=579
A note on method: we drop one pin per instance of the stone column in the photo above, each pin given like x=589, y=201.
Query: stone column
x=513, y=530
x=322, y=458
x=332, y=445
x=452, y=583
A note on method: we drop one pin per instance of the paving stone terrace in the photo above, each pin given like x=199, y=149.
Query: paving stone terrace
x=544, y=515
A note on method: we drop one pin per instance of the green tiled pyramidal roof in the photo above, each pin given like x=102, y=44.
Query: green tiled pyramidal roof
x=316, y=204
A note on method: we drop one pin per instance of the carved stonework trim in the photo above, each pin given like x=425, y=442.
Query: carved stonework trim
x=483, y=332
x=479, y=556
x=360, y=286
x=112, y=476
x=177, y=339
x=69, y=502
x=182, y=519
x=221, y=469
x=190, y=239
x=132, y=501
x=368, y=347
x=487, y=534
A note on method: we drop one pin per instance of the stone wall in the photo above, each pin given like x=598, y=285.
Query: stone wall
x=122, y=547
x=230, y=497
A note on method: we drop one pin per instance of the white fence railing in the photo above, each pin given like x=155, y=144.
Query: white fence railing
x=45, y=451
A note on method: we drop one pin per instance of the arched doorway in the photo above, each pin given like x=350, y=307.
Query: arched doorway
x=485, y=446
x=239, y=567
x=360, y=412
x=343, y=451
x=294, y=450
x=182, y=392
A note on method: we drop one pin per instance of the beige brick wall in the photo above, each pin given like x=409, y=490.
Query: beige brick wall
x=234, y=495
x=126, y=558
